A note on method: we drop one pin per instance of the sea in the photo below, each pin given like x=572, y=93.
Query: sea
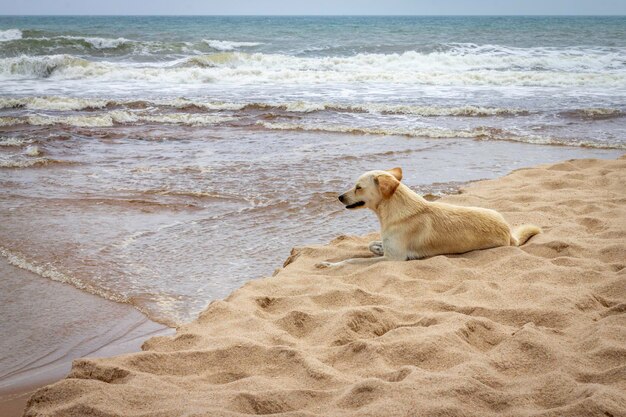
x=163, y=162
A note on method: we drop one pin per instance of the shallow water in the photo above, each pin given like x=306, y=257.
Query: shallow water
x=163, y=162
x=171, y=221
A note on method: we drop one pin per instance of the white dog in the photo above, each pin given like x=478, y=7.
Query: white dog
x=413, y=228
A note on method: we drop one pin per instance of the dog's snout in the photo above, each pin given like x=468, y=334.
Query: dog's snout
x=342, y=197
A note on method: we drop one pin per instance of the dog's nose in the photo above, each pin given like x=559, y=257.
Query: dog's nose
x=341, y=197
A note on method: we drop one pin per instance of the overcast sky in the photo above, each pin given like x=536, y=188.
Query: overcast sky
x=314, y=7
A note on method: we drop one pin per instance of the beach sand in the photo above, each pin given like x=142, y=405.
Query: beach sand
x=538, y=330
x=62, y=323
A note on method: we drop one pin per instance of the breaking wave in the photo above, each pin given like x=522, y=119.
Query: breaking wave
x=57, y=103
x=14, y=142
x=10, y=35
x=50, y=272
x=480, y=133
x=594, y=113
x=383, y=108
x=111, y=118
x=228, y=45
x=52, y=103
x=602, y=67
x=42, y=66
x=99, y=43
x=24, y=162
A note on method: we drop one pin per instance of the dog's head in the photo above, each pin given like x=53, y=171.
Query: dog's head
x=371, y=188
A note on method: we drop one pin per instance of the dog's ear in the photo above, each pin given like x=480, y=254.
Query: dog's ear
x=396, y=172
x=387, y=185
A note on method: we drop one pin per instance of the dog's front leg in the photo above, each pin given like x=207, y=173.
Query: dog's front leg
x=353, y=261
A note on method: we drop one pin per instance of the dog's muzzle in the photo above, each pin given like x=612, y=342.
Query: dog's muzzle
x=342, y=198
x=355, y=205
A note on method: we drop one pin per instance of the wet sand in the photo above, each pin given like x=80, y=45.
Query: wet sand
x=532, y=331
x=61, y=324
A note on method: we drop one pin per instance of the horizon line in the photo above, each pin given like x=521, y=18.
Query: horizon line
x=314, y=15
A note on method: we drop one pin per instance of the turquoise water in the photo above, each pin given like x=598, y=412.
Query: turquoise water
x=306, y=36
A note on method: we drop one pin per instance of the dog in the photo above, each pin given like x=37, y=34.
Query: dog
x=413, y=228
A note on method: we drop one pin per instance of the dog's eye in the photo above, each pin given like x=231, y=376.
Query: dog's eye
x=358, y=187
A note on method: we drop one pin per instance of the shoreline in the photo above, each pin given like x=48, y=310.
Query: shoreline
x=533, y=330
x=58, y=311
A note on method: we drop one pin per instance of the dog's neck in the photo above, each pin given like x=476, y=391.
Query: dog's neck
x=403, y=203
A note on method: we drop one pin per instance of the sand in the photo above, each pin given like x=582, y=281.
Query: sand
x=538, y=330
x=47, y=324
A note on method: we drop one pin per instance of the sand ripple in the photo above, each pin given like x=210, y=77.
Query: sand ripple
x=533, y=331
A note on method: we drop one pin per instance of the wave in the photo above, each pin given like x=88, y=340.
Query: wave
x=383, y=108
x=10, y=121
x=99, y=47
x=41, y=67
x=479, y=133
x=14, y=142
x=22, y=162
x=69, y=67
x=94, y=42
x=50, y=272
x=597, y=113
x=187, y=119
x=209, y=61
x=228, y=45
x=52, y=103
x=10, y=35
x=430, y=132
x=58, y=103
x=99, y=43
x=32, y=150
x=195, y=194
x=539, y=68
x=114, y=117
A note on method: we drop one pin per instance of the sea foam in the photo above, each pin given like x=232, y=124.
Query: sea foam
x=228, y=45
x=478, y=133
x=601, y=67
x=111, y=118
x=100, y=43
x=10, y=35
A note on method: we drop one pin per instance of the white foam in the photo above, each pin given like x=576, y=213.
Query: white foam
x=191, y=119
x=32, y=150
x=103, y=120
x=599, y=112
x=518, y=67
x=40, y=66
x=228, y=45
x=111, y=118
x=16, y=142
x=10, y=121
x=71, y=103
x=20, y=162
x=307, y=107
x=10, y=35
x=429, y=132
x=208, y=105
x=480, y=133
x=52, y=103
x=50, y=272
x=99, y=43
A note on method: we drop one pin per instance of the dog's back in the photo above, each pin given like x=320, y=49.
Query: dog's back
x=456, y=229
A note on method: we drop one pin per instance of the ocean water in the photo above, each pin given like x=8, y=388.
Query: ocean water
x=164, y=161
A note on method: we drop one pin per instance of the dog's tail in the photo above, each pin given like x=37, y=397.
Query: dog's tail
x=521, y=234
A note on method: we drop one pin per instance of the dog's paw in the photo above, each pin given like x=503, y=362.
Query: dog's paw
x=323, y=265
x=376, y=247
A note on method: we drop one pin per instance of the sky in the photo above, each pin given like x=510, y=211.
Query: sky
x=314, y=7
